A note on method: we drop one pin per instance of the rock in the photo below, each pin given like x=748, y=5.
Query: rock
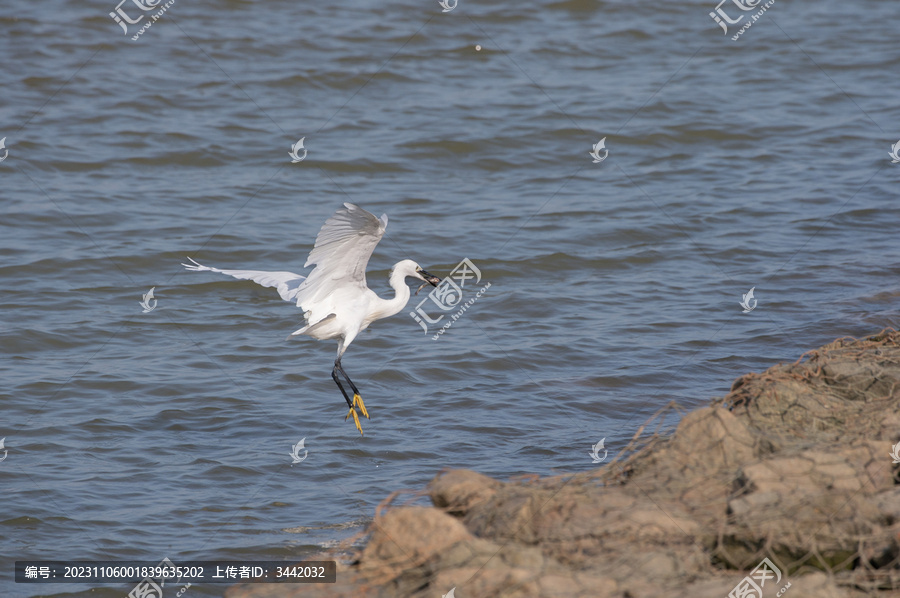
x=792, y=465
x=411, y=535
x=459, y=490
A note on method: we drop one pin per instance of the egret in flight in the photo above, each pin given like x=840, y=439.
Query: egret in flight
x=335, y=300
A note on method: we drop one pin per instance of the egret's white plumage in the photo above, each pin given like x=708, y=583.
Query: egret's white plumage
x=336, y=302
x=287, y=283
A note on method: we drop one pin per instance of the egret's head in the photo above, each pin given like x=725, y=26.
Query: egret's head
x=409, y=268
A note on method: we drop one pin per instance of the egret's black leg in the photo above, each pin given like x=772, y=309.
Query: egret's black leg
x=352, y=404
x=349, y=381
x=357, y=398
x=334, y=376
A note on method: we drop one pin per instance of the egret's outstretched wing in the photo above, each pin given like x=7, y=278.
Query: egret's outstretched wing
x=286, y=283
x=341, y=253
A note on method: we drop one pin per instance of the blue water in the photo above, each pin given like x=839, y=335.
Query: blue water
x=615, y=286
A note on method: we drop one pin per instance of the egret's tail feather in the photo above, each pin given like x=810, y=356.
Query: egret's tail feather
x=310, y=328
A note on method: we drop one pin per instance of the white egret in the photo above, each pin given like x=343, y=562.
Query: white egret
x=335, y=300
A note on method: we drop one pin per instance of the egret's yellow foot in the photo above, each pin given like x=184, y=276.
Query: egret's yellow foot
x=355, y=419
x=357, y=402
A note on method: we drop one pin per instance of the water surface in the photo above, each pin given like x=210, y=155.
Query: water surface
x=615, y=287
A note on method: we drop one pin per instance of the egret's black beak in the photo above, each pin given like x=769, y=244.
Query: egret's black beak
x=429, y=279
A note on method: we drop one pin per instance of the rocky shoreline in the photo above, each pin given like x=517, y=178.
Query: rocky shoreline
x=794, y=465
